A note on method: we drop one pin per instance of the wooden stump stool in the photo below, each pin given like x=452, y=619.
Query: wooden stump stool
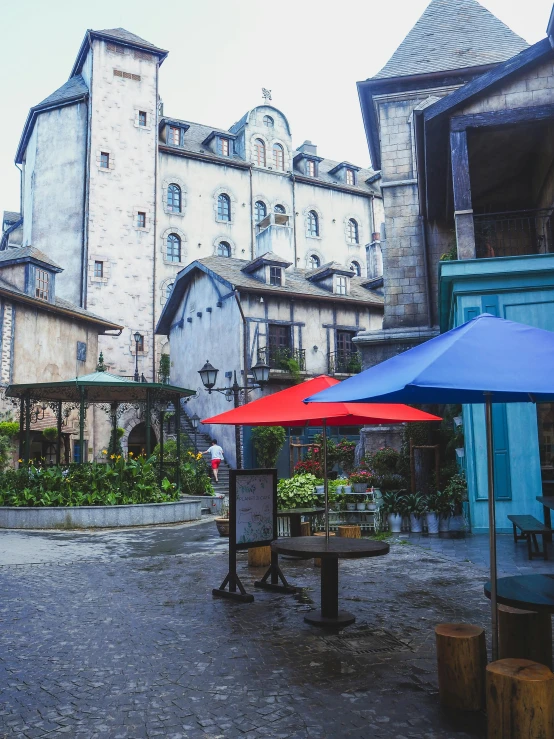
x=317, y=560
x=305, y=529
x=350, y=532
x=259, y=556
x=525, y=635
x=520, y=700
x=461, y=660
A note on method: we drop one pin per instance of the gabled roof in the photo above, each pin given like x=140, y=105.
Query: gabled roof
x=453, y=34
x=268, y=258
x=28, y=254
x=228, y=272
x=120, y=36
x=73, y=91
x=330, y=268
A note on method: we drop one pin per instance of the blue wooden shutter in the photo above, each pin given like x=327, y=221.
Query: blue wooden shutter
x=470, y=314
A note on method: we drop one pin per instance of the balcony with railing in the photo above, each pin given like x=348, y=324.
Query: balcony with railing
x=513, y=234
x=344, y=362
x=273, y=219
x=282, y=359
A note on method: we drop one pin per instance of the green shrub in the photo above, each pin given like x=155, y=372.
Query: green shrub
x=268, y=442
x=120, y=482
x=50, y=433
x=9, y=428
x=297, y=492
x=114, y=446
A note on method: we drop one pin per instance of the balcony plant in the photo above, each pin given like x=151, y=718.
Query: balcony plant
x=415, y=507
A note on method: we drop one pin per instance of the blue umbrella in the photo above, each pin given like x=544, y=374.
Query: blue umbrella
x=486, y=360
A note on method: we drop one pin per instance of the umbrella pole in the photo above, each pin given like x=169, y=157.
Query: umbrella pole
x=492, y=526
x=325, y=483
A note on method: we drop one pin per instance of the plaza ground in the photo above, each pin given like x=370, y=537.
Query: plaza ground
x=116, y=634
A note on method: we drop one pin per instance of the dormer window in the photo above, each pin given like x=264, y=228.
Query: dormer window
x=223, y=146
x=175, y=136
x=350, y=177
x=42, y=284
x=275, y=276
x=310, y=168
x=341, y=285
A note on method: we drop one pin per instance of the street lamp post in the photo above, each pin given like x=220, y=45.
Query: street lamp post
x=208, y=375
x=137, y=338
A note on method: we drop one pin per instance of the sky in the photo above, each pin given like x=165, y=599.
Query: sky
x=309, y=53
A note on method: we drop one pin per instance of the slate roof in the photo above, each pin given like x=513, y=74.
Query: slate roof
x=23, y=252
x=121, y=34
x=60, y=303
x=197, y=133
x=453, y=34
x=74, y=88
x=10, y=216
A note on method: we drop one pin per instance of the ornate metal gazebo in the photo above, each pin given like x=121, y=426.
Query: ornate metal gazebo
x=108, y=391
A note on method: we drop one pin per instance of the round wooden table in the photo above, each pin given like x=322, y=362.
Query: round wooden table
x=329, y=551
x=528, y=592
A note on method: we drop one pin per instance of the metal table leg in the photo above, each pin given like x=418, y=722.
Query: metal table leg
x=330, y=616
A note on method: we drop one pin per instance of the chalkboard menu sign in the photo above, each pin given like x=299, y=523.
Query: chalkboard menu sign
x=254, y=502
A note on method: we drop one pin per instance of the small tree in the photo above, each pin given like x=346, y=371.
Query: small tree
x=165, y=368
x=114, y=447
x=268, y=442
x=8, y=429
x=101, y=367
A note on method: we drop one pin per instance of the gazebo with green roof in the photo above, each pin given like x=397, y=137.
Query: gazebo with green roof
x=98, y=388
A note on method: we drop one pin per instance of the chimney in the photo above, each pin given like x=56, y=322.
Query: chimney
x=308, y=148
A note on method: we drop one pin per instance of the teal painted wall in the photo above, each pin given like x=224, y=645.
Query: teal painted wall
x=522, y=295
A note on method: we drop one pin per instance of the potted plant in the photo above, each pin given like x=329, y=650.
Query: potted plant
x=432, y=511
x=350, y=500
x=222, y=522
x=360, y=505
x=415, y=506
x=456, y=490
x=392, y=507
x=361, y=480
x=371, y=501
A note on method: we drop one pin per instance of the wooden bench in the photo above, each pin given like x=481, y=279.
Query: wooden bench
x=530, y=527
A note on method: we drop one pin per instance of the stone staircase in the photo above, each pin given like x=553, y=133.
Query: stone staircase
x=203, y=441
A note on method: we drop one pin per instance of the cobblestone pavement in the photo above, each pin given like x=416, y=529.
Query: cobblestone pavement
x=117, y=635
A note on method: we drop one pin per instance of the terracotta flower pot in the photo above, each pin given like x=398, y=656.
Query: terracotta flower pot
x=222, y=526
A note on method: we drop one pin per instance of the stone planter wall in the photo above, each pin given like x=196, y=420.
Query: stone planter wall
x=90, y=517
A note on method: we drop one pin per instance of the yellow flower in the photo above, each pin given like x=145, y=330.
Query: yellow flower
x=131, y=454
x=20, y=461
x=118, y=456
x=104, y=451
x=112, y=456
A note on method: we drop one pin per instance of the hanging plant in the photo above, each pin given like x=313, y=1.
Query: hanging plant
x=50, y=433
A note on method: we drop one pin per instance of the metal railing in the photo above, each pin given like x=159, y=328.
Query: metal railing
x=515, y=233
x=283, y=358
x=344, y=362
x=142, y=378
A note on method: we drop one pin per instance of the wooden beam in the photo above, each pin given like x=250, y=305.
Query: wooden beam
x=460, y=171
x=502, y=117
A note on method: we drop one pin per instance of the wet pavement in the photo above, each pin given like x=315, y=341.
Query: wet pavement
x=116, y=634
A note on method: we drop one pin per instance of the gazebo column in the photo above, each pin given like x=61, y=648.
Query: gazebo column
x=27, y=427
x=59, y=439
x=162, y=417
x=82, y=426
x=177, y=403
x=114, y=407
x=21, y=425
x=147, y=420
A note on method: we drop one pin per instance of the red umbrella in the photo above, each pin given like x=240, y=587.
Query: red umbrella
x=286, y=408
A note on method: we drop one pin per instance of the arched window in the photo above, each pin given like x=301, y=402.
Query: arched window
x=314, y=261
x=173, y=251
x=280, y=209
x=352, y=231
x=279, y=156
x=223, y=249
x=259, y=152
x=174, y=199
x=313, y=223
x=260, y=211
x=224, y=207
x=168, y=290
x=355, y=267
x=268, y=121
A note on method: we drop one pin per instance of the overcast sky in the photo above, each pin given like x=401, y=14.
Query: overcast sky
x=310, y=53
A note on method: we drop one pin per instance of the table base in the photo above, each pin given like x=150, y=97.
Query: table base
x=342, y=619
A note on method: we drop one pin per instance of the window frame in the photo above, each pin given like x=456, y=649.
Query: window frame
x=104, y=160
x=42, y=285
x=350, y=177
x=173, y=242
x=268, y=121
x=142, y=119
x=275, y=276
x=314, y=258
x=141, y=219
x=170, y=199
x=260, y=152
x=223, y=146
x=224, y=246
x=357, y=269
x=311, y=169
x=280, y=209
x=312, y=225
x=279, y=157
x=353, y=231
x=224, y=207
x=180, y=135
x=99, y=274
x=341, y=285
x=257, y=210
